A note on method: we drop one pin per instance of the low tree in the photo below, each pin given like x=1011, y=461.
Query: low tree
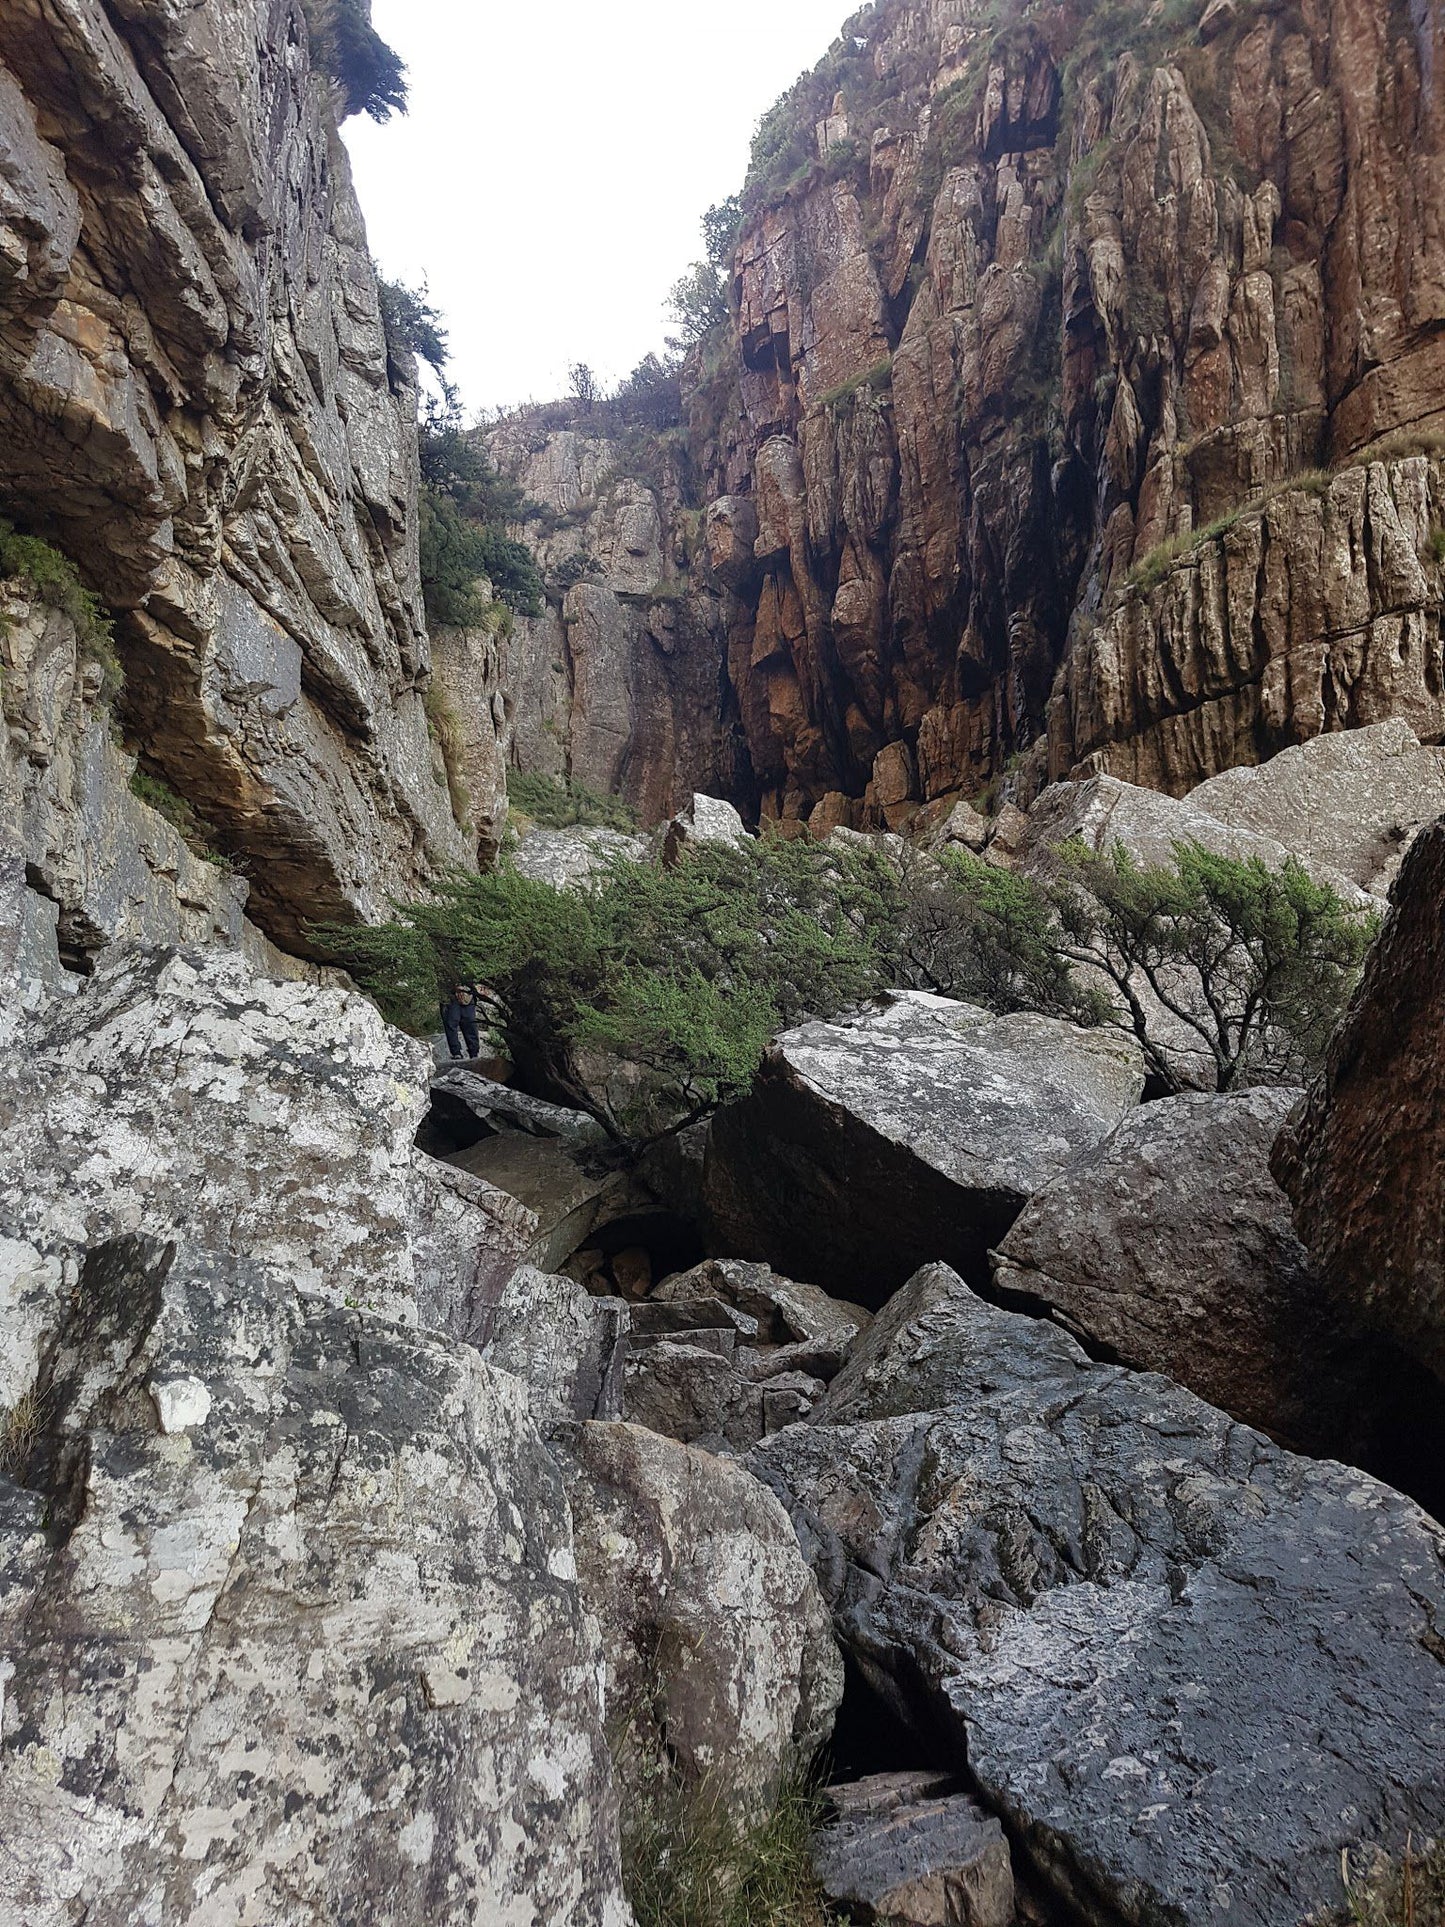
x=346, y=45
x=586, y=391
x=682, y=974
x=1209, y=961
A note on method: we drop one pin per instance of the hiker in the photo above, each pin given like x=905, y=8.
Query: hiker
x=459, y=1019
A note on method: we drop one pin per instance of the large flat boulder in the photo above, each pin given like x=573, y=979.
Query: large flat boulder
x=291, y=1631
x=1364, y=1159
x=1186, y=1668
x=1170, y=1247
x=1352, y=801
x=719, y=1652
x=917, y=1130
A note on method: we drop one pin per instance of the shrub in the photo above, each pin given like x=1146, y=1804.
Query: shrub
x=412, y=323
x=452, y=559
x=346, y=46
x=1256, y=965
x=572, y=570
x=558, y=806
x=52, y=578
x=682, y=973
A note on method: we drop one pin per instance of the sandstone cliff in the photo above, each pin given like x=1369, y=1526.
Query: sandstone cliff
x=199, y=409
x=1081, y=398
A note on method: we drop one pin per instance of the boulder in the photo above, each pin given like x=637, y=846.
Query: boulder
x=717, y=1645
x=916, y=1130
x=1363, y=1158
x=501, y=1108
x=964, y=827
x=291, y=1628
x=567, y=1347
x=1185, y=1668
x=784, y=1310
x=694, y=1388
x=572, y=859
x=184, y=1093
x=701, y=821
x=1169, y=1247
x=1351, y=802
x=912, y=1850
x=1105, y=812
x=572, y=1196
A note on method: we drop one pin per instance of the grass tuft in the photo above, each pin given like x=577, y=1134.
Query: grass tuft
x=447, y=733
x=54, y=581
x=685, y=1864
x=19, y=1431
x=1153, y=567
x=158, y=795
x=1409, y=1892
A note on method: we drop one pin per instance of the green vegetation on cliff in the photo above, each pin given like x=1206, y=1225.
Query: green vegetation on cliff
x=54, y=580
x=345, y=45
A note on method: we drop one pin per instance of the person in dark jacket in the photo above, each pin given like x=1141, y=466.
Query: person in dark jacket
x=459, y=1020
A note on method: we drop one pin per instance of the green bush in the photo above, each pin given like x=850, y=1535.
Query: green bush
x=413, y=324
x=53, y=580
x=346, y=46
x=558, y=806
x=683, y=973
x=1257, y=965
x=466, y=505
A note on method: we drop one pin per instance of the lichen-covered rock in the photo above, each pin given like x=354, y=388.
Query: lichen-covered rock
x=717, y=1643
x=1185, y=1668
x=303, y=1637
x=567, y=1347
x=203, y=411
x=702, y=820
x=1169, y=1246
x=570, y=859
x=917, y=1130
x=184, y=1094
x=1362, y=1159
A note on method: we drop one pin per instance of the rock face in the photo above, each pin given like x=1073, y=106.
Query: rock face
x=271, y=1549
x=1185, y=1668
x=202, y=413
x=717, y=1642
x=917, y=1131
x=1362, y=1157
x=1170, y=1247
x=621, y=685
x=1079, y=407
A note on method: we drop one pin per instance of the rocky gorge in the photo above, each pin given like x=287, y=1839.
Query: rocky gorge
x=1002, y=1443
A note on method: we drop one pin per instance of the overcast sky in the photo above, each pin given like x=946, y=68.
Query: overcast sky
x=559, y=154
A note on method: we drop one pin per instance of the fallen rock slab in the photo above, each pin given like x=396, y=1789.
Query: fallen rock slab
x=911, y=1850
x=1170, y=1247
x=784, y=1309
x=1186, y=1668
x=915, y=1131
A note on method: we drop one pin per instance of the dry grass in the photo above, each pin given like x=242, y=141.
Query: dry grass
x=1409, y=1892
x=19, y=1431
x=446, y=728
x=1153, y=568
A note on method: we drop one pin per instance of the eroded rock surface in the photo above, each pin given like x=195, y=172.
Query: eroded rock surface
x=916, y=1131
x=312, y=1572
x=1184, y=1667
x=911, y=1850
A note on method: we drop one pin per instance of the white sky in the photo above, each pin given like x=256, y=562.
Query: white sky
x=549, y=181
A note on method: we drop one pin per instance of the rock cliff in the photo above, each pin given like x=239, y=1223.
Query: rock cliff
x=200, y=411
x=1080, y=401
